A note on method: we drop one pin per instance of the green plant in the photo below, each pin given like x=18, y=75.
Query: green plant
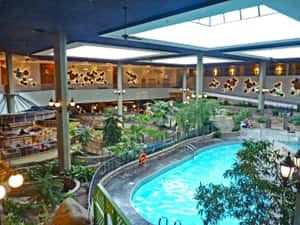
x=295, y=119
x=275, y=112
x=85, y=136
x=98, y=133
x=112, y=131
x=243, y=114
x=254, y=194
x=218, y=134
x=236, y=127
x=81, y=173
x=163, y=112
x=41, y=169
x=262, y=120
x=73, y=132
x=15, y=212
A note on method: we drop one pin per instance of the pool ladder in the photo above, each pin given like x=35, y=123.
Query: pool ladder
x=190, y=147
x=163, y=218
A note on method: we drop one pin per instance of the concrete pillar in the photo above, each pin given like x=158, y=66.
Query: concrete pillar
x=61, y=89
x=262, y=77
x=120, y=89
x=199, y=76
x=297, y=211
x=184, y=85
x=10, y=89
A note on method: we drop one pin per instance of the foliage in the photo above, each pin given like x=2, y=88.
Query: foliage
x=41, y=169
x=295, y=119
x=262, y=120
x=163, y=112
x=255, y=194
x=81, y=173
x=155, y=134
x=218, y=134
x=85, y=136
x=275, y=112
x=73, y=132
x=236, y=127
x=98, y=133
x=15, y=212
x=49, y=190
x=196, y=114
x=73, y=125
x=112, y=131
x=243, y=114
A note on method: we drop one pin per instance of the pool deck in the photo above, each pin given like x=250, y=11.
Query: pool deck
x=122, y=185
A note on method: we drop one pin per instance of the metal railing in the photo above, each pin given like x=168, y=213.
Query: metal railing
x=126, y=157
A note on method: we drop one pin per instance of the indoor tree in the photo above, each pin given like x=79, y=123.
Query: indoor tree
x=163, y=112
x=255, y=194
x=112, y=131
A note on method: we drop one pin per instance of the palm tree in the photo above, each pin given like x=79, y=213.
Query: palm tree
x=163, y=112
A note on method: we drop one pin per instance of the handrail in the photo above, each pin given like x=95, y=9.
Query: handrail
x=161, y=218
x=126, y=157
x=105, y=207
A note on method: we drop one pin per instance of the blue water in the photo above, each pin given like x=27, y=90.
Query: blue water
x=171, y=193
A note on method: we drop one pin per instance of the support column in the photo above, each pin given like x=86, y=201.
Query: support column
x=120, y=89
x=184, y=86
x=297, y=211
x=199, y=76
x=262, y=76
x=10, y=89
x=61, y=89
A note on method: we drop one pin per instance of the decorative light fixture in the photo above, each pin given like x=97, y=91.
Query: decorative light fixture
x=287, y=168
x=57, y=104
x=297, y=159
x=184, y=90
x=256, y=70
x=16, y=181
x=231, y=71
x=278, y=70
x=2, y=192
x=120, y=91
x=215, y=71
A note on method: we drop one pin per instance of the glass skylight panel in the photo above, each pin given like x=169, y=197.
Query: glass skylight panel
x=205, y=21
x=276, y=53
x=264, y=10
x=232, y=16
x=105, y=52
x=191, y=60
x=217, y=20
x=250, y=12
x=243, y=32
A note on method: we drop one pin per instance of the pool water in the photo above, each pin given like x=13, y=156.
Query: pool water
x=171, y=193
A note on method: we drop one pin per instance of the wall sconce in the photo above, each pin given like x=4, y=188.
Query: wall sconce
x=231, y=71
x=215, y=72
x=256, y=70
x=278, y=70
x=120, y=91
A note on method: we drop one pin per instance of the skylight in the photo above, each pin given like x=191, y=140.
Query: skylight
x=105, y=52
x=253, y=25
x=191, y=60
x=276, y=53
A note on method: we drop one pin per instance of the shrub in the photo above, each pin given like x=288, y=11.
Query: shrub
x=218, y=134
x=73, y=132
x=295, y=120
x=244, y=113
x=275, y=112
x=81, y=173
x=262, y=120
x=236, y=127
x=85, y=136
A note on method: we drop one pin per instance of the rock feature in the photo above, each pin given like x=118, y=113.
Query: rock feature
x=70, y=212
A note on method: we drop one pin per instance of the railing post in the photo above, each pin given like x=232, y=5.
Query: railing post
x=104, y=209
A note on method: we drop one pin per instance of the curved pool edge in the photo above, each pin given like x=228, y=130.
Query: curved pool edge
x=122, y=183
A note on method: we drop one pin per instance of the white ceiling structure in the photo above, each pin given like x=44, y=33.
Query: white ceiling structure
x=258, y=25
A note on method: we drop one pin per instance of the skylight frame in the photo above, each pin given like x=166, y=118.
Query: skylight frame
x=136, y=53
x=190, y=60
x=279, y=53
